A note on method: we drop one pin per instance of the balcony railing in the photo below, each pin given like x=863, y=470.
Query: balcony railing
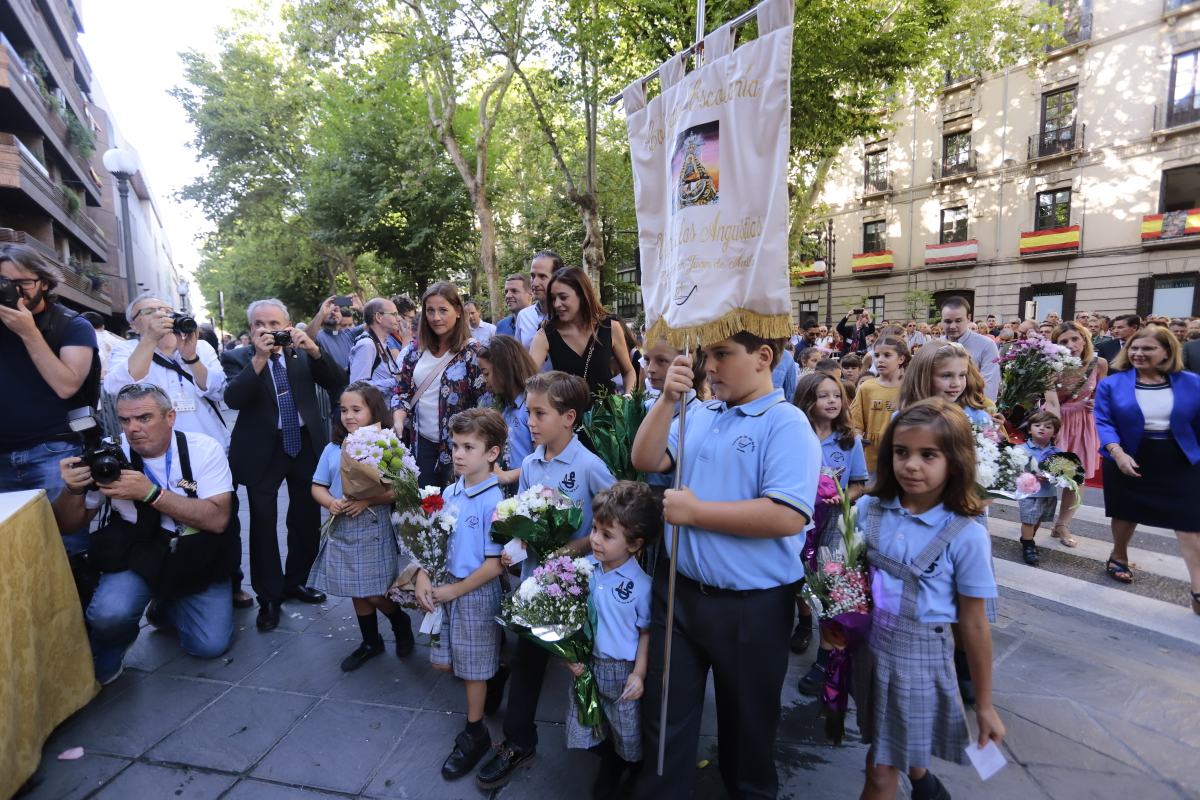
x=1057, y=142
x=96, y=287
x=877, y=183
x=948, y=169
x=1174, y=115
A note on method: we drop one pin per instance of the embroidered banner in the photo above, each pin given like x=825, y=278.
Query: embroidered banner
x=710, y=158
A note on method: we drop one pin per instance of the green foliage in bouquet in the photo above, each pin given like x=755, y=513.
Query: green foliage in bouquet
x=612, y=424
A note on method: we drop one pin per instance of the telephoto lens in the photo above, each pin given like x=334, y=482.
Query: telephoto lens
x=184, y=324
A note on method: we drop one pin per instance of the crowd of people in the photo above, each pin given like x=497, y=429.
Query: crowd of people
x=889, y=410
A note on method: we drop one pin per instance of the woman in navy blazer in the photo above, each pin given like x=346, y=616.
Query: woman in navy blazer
x=1148, y=421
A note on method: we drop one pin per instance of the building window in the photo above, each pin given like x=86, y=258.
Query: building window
x=1056, y=297
x=806, y=310
x=1053, y=209
x=1185, y=89
x=1173, y=296
x=956, y=153
x=954, y=224
x=875, y=306
x=874, y=239
x=876, y=172
x=1180, y=189
x=1058, y=122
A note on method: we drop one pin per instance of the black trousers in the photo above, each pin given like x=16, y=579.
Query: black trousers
x=267, y=576
x=743, y=639
x=524, y=690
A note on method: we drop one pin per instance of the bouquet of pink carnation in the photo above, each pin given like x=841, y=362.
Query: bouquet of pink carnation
x=542, y=517
x=551, y=608
x=1030, y=367
x=424, y=532
x=838, y=587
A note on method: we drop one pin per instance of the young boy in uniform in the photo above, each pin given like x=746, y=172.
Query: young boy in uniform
x=750, y=467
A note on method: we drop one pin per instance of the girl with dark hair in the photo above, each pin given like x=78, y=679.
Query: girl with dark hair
x=578, y=335
x=506, y=366
x=439, y=376
x=932, y=567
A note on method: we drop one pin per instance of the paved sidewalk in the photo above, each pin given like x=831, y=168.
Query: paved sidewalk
x=1094, y=709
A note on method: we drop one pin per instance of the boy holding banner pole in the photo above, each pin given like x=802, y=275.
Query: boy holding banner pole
x=745, y=497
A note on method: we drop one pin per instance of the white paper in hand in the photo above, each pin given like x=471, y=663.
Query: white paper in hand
x=432, y=623
x=987, y=760
x=516, y=550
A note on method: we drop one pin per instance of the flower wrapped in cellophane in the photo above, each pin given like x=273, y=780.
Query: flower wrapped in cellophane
x=424, y=532
x=837, y=584
x=551, y=608
x=542, y=517
x=1003, y=469
x=1030, y=368
x=1063, y=471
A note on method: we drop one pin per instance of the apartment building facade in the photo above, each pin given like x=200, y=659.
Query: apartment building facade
x=55, y=194
x=1075, y=184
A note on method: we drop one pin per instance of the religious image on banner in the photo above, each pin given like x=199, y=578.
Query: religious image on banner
x=697, y=163
x=710, y=165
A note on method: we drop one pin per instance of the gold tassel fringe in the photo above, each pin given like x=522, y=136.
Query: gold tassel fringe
x=767, y=326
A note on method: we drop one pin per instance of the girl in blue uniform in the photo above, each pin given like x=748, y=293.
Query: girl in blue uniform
x=506, y=366
x=930, y=567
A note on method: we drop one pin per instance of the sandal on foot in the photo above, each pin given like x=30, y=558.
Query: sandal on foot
x=1118, y=571
x=1064, y=533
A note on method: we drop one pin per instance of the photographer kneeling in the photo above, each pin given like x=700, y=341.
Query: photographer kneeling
x=172, y=498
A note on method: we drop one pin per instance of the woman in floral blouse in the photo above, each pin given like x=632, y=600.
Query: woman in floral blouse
x=438, y=378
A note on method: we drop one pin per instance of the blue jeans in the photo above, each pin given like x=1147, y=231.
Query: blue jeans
x=204, y=620
x=37, y=468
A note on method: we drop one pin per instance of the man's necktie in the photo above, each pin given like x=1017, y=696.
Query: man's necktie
x=288, y=419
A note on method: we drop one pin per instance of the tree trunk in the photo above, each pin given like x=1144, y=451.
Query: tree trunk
x=487, y=252
x=593, y=239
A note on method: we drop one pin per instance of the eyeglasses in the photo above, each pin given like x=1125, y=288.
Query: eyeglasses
x=139, y=389
x=25, y=283
x=152, y=310
x=387, y=313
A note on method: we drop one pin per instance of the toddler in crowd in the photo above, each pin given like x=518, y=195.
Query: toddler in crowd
x=1040, y=506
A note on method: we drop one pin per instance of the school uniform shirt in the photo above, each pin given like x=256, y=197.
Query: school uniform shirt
x=872, y=410
x=849, y=464
x=520, y=440
x=980, y=420
x=965, y=567
x=666, y=480
x=210, y=471
x=764, y=448
x=621, y=598
x=471, y=542
x=1041, y=454
x=329, y=469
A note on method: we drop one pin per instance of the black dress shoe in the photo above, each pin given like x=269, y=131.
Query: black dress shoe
x=802, y=636
x=268, y=615
x=498, y=770
x=466, y=754
x=242, y=599
x=495, y=691
x=305, y=594
x=361, y=655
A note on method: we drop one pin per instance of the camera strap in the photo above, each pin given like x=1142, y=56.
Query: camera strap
x=170, y=364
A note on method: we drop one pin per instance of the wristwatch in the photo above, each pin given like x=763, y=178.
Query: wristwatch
x=191, y=360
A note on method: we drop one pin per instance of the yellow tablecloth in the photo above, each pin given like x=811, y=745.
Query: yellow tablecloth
x=45, y=663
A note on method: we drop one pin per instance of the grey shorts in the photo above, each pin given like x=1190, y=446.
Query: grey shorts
x=470, y=639
x=1036, y=510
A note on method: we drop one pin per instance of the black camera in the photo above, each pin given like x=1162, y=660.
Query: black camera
x=184, y=324
x=103, y=454
x=281, y=338
x=10, y=293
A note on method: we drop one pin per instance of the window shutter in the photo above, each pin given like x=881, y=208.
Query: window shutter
x=1145, y=295
x=1023, y=297
x=1068, y=312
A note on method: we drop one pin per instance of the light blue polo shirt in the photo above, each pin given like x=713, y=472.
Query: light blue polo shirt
x=471, y=541
x=1041, y=454
x=329, y=469
x=576, y=471
x=848, y=464
x=666, y=480
x=621, y=598
x=764, y=448
x=964, y=568
x=520, y=441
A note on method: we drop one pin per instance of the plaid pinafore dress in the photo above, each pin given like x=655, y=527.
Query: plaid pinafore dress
x=906, y=691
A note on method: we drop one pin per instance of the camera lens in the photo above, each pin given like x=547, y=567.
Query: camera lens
x=184, y=324
x=9, y=293
x=281, y=338
x=106, y=469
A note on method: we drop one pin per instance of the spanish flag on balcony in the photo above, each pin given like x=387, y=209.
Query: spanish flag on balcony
x=1153, y=225
x=1050, y=240
x=879, y=261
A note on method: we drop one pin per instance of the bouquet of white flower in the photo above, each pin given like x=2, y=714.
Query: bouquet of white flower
x=551, y=608
x=425, y=533
x=541, y=517
x=1003, y=469
x=372, y=456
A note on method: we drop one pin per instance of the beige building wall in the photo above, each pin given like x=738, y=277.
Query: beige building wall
x=1122, y=72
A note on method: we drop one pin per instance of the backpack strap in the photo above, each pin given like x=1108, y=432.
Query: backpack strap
x=185, y=466
x=170, y=364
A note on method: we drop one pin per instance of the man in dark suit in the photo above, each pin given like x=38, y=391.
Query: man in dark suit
x=1191, y=355
x=1123, y=329
x=279, y=435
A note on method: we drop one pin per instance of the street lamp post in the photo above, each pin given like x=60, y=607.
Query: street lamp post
x=123, y=166
x=826, y=263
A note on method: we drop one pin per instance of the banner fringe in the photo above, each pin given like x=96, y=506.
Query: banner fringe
x=767, y=326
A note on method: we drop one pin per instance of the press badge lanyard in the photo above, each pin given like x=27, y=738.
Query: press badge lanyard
x=166, y=485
